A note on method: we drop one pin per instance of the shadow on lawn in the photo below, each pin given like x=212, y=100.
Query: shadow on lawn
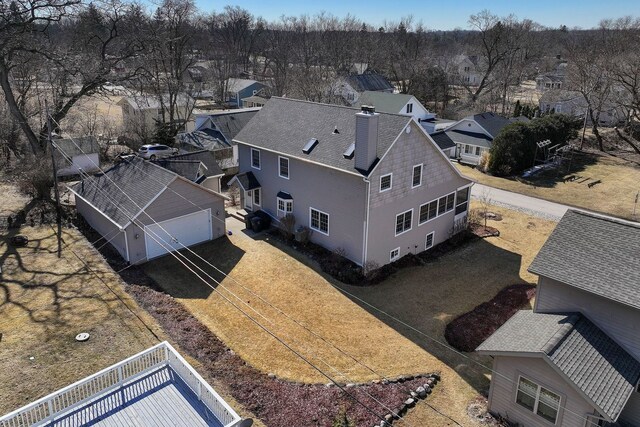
x=180, y=282
x=416, y=298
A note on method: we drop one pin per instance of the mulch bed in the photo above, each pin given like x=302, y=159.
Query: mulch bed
x=478, y=410
x=278, y=403
x=467, y=331
x=481, y=231
x=348, y=272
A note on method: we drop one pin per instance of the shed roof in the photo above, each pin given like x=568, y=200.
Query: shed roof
x=286, y=125
x=600, y=255
x=578, y=350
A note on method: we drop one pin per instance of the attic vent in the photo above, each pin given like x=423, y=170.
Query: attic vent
x=348, y=154
x=310, y=146
x=336, y=131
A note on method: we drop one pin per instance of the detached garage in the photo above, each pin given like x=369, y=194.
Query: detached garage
x=146, y=211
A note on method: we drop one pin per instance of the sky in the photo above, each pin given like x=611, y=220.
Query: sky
x=442, y=14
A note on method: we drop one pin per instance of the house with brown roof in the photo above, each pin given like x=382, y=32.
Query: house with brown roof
x=575, y=359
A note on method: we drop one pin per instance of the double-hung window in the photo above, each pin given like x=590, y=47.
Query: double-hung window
x=255, y=158
x=467, y=149
x=442, y=205
x=537, y=399
x=283, y=167
x=416, y=179
x=386, y=182
x=428, y=211
x=256, y=197
x=462, y=200
x=478, y=151
x=285, y=206
x=403, y=222
x=319, y=221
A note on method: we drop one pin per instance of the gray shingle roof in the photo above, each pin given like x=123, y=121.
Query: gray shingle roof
x=208, y=158
x=186, y=168
x=140, y=180
x=443, y=140
x=581, y=352
x=247, y=181
x=472, y=138
x=491, y=122
x=286, y=125
x=595, y=254
x=207, y=139
x=369, y=81
x=385, y=102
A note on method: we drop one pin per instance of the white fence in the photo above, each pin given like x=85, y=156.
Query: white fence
x=45, y=410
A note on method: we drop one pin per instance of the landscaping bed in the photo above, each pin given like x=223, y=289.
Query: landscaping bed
x=346, y=271
x=467, y=331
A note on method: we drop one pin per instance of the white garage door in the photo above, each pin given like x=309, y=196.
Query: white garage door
x=174, y=234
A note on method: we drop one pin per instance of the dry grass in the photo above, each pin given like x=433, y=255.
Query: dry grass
x=615, y=195
x=12, y=200
x=45, y=301
x=426, y=297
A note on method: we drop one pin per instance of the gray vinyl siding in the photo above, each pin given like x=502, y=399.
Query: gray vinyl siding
x=334, y=192
x=103, y=226
x=620, y=322
x=502, y=394
x=171, y=205
x=438, y=179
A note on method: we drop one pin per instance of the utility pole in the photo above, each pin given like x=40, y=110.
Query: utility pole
x=55, y=181
x=584, y=128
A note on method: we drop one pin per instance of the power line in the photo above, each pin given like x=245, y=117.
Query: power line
x=342, y=290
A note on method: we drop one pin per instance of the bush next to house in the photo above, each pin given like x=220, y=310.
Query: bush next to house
x=514, y=149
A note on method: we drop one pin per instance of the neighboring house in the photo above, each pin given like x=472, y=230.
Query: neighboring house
x=350, y=88
x=196, y=81
x=254, y=101
x=373, y=185
x=146, y=211
x=548, y=81
x=201, y=167
x=77, y=154
x=445, y=143
x=473, y=135
x=152, y=388
x=141, y=114
x=395, y=103
x=215, y=132
x=467, y=70
x=239, y=89
x=575, y=359
x=573, y=103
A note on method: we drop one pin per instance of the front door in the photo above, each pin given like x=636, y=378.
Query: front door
x=248, y=200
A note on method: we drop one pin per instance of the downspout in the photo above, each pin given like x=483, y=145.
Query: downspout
x=366, y=223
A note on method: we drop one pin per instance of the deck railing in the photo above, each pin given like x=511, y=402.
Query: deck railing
x=47, y=409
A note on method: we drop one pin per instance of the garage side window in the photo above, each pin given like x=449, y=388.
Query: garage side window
x=537, y=399
x=255, y=158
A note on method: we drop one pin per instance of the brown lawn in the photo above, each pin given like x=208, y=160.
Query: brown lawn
x=426, y=297
x=614, y=195
x=45, y=301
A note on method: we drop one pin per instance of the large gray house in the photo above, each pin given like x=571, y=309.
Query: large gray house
x=575, y=359
x=373, y=185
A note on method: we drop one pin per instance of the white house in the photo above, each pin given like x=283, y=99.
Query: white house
x=142, y=113
x=468, y=70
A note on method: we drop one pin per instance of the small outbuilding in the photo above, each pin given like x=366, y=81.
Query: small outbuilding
x=145, y=211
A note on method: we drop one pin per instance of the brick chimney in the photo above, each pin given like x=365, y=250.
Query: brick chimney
x=366, y=137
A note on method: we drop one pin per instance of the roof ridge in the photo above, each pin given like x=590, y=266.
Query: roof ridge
x=562, y=333
x=607, y=218
x=324, y=104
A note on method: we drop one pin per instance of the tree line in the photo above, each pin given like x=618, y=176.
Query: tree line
x=56, y=53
